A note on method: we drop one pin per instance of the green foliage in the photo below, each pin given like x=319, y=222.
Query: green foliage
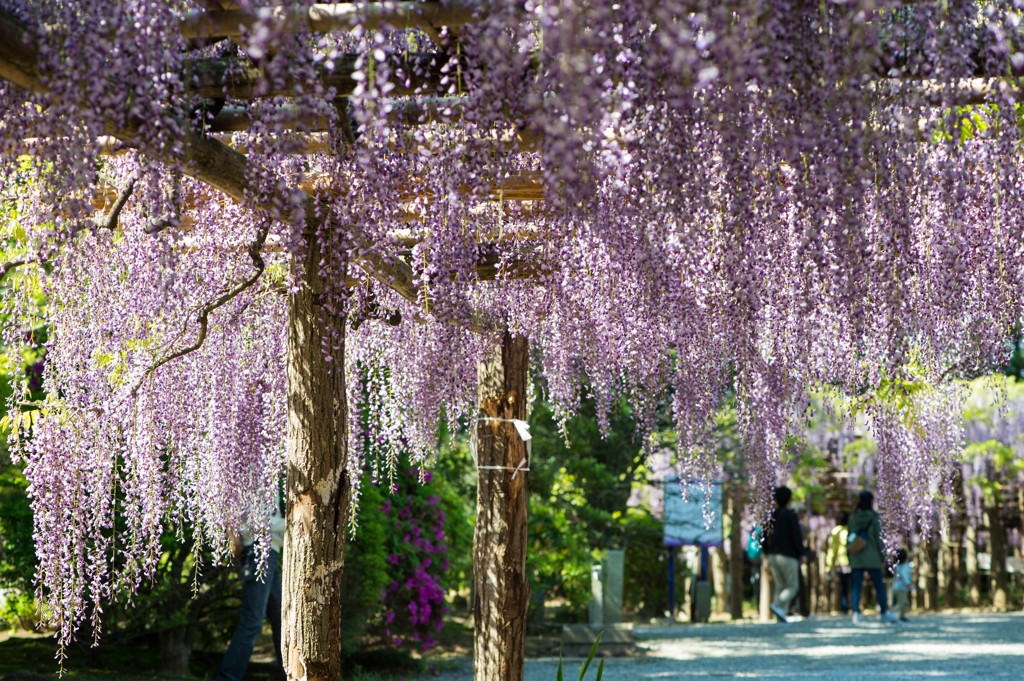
x=19, y=610
x=366, y=568
x=188, y=591
x=898, y=394
x=1005, y=463
x=642, y=537
x=400, y=557
x=456, y=484
x=988, y=394
x=965, y=122
x=17, y=550
x=559, y=558
x=586, y=665
x=1015, y=365
x=579, y=485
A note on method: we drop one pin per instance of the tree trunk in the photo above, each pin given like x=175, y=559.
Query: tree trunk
x=716, y=556
x=946, y=582
x=997, y=549
x=319, y=488
x=957, y=573
x=931, y=577
x=175, y=651
x=971, y=559
x=764, y=598
x=501, y=594
x=922, y=568
x=814, y=581
x=736, y=554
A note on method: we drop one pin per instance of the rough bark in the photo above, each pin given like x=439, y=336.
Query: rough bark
x=319, y=489
x=997, y=549
x=971, y=560
x=929, y=575
x=501, y=593
x=813, y=580
x=945, y=574
x=175, y=651
x=736, y=553
x=716, y=556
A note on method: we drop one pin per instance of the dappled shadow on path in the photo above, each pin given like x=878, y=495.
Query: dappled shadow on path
x=941, y=647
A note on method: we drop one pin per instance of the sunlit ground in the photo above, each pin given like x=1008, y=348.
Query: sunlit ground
x=942, y=647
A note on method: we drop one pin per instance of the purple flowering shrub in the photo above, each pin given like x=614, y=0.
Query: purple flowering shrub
x=417, y=557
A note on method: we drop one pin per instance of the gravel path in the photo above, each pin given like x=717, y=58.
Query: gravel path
x=942, y=647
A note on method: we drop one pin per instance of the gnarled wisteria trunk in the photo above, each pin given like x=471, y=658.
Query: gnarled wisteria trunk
x=319, y=488
x=501, y=593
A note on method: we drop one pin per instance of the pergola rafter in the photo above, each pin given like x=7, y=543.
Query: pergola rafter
x=428, y=16
x=240, y=78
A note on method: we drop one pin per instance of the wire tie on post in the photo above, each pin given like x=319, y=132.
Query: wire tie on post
x=523, y=428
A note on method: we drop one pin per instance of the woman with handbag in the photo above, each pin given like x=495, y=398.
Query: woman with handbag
x=865, y=550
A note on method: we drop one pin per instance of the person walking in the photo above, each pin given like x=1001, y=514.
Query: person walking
x=783, y=547
x=837, y=562
x=864, y=548
x=261, y=598
x=902, y=584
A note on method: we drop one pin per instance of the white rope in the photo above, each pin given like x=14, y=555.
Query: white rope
x=521, y=467
x=523, y=428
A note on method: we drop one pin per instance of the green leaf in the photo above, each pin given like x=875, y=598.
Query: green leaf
x=590, y=658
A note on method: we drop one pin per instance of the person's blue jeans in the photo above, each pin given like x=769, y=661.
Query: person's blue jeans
x=259, y=599
x=858, y=584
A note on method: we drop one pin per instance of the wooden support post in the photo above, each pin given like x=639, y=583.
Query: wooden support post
x=765, y=592
x=672, y=608
x=930, y=572
x=997, y=550
x=971, y=561
x=735, y=497
x=947, y=573
x=318, y=485
x=501, y=593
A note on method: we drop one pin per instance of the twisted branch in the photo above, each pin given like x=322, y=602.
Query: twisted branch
x=108, y=222
x=254, y=250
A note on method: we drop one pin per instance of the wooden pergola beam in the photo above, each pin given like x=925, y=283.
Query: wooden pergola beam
x=426, y=16
x=240, y=78
x=237, y=118
x=203, y=158
x=525, y=186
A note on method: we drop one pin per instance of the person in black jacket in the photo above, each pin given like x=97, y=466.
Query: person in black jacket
x=783, y=547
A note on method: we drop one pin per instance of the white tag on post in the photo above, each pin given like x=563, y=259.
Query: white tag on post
x=523, y=428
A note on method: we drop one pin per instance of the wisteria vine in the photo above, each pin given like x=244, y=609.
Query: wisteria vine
x=674, y=200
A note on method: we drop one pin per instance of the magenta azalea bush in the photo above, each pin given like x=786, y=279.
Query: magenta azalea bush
x=414, y=602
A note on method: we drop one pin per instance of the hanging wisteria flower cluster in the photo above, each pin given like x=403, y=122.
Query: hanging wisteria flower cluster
x=675, y=200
